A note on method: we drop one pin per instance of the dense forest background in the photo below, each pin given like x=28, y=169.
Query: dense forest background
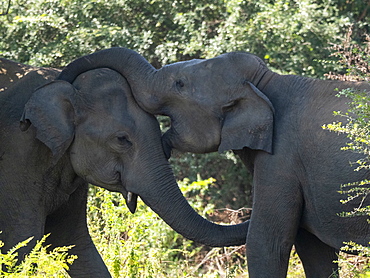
x=293, y=37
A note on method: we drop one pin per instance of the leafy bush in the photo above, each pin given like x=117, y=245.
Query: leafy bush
x=38, y=263
x=356, y=125
x=142, y=245
x=355, y=266
x=357, y=128
x=232, y=187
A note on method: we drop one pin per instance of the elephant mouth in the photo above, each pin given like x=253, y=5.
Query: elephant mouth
x=117, y=185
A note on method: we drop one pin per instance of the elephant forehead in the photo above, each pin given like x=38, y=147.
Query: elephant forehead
x=180, y=68
x=212, y=72
x=100, y=81
x=109, y=100
x=114, y=113
x=101, y=126
x=103, y=89
x=186, y=64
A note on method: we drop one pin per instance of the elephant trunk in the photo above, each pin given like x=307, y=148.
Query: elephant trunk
x=139, y=73
x=166, y=199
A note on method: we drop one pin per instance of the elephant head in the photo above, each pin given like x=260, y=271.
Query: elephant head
x=213, y=104
x=113, y=143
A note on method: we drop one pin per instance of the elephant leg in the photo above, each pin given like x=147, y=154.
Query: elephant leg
x=68, y=226
x=316, y=256
x=272, y=231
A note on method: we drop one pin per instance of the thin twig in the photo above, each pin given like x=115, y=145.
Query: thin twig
x=364, y=12
x=7, y=9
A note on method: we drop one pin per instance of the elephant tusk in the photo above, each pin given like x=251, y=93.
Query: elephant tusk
x=131, y=201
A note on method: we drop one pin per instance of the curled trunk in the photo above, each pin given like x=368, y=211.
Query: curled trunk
x=139, y=73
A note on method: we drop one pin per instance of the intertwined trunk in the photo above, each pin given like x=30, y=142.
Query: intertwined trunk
x=164, y=197
x=139, y=73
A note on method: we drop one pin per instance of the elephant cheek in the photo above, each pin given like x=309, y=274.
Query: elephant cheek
x=203, y=134
x=77, y=162
x=205, y=141
x=193, y=139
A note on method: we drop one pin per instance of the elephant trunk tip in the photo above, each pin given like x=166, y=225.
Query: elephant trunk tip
x=235, y=234
x=227, y=236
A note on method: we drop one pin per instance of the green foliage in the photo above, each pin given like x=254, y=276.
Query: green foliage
x=355, y=266
x=38, y=263
x=293, y=36
x=356, y=126
x=142, y=245
x=233, y=184
x=353, y=57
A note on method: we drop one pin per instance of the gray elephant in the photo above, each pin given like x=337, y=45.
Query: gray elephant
x=71, y=134
x=273, y=122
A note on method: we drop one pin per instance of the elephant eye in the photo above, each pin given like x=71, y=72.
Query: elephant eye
x=180, y=84
x=120, y=143
x=122, y=139
x=230, y=105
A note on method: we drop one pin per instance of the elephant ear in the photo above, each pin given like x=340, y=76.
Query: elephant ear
x=248, y=122
x=50, y=111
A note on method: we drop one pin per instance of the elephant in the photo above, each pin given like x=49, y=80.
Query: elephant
x=56, y=137
x=273, y=122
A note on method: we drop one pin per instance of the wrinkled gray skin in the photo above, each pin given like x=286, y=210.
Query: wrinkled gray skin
x=92, y=131
x=273, y=122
